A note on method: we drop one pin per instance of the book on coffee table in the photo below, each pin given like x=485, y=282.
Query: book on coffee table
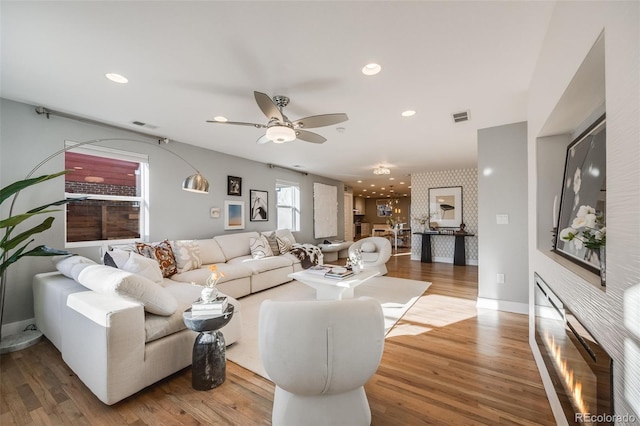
x=339, y=275
x=319, y=269
x=216, y=307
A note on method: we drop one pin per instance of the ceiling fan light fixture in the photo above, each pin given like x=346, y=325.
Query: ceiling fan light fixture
x=281, y=134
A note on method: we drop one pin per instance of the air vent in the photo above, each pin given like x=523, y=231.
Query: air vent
x=459, y=117
x=141, y=124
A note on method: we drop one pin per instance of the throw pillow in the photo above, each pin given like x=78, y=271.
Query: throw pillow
x=107, y=280
x=259, y=247
x=108, y=260
x=71, y=266
x=116, y=258
x=143, y=266
x=187, y=253
x=368, y=247
x=162, y=253
x=272, y=239
x=284, y=245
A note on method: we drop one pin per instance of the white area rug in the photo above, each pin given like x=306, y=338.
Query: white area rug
x=396, y=295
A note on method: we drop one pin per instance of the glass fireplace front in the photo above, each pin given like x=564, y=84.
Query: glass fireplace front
x=578, y=366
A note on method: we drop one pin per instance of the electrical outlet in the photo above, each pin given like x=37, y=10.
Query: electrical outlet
x=502, y=219
x=500, y=278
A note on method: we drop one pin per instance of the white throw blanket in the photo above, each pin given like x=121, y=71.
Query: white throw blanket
x=396, y=295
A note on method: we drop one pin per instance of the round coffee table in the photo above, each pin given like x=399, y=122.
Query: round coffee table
x=209, y=364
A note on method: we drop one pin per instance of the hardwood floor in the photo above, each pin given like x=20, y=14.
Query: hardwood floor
x=445, y=363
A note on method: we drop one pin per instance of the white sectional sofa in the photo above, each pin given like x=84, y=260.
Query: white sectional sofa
x=120, y=332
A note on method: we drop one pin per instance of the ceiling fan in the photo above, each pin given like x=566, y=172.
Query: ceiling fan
x=280, y=129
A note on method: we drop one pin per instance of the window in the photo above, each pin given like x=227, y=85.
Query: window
x=116, y=186
x=288, y=205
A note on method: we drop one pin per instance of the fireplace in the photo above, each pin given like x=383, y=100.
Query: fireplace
x=581, y=371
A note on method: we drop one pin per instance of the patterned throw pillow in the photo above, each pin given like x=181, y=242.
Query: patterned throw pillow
x=259, y=247
x=272, y=239
x=162, y=253
x=187, y=253
x=284, y=245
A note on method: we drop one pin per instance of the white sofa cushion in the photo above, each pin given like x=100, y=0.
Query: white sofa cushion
x=71, y=266
x=262, y=265
x=143, y=266
x=199, y=276
x=107, y=280
x=286, y=233
x=210, y=252
x=187, y=254
x=235, y=245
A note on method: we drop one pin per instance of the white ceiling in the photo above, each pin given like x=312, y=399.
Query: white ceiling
x=189, y=61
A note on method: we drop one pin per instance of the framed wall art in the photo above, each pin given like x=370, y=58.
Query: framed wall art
x=234, y=215
x=584, y=184
x=234, y=185
x=259, y=202
x=445, y=205
x=383, y=208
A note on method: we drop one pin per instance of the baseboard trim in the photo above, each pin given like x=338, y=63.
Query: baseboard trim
x=502, y=305
x=473, y=262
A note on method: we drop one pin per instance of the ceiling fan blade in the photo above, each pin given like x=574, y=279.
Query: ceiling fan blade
x=238, y=123
x=267, y=106
x=263, y=139
x=303, y=135
x=320, y=120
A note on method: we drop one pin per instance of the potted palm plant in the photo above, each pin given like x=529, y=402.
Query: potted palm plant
x=14, y=247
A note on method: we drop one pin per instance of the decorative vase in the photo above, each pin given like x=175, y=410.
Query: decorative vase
x=602, y=256
x=209, y=294
x=356, y=268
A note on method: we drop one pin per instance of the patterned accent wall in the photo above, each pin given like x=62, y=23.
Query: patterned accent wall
x=443, y=245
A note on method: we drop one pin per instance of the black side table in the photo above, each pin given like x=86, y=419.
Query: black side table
x=209, y=365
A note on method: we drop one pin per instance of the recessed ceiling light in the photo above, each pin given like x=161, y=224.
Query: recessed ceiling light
x=368, y=196
x=371, y=69
x=401, y=183
x=392, y=178
x=116, y=78
x=364, y=190
x=359, y=181
x=382, y=188
x=373, y=192
x=372, y=185
x=220, y=118
x=409, y=186
x=408, y=113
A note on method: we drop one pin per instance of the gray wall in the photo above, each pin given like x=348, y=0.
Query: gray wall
x=27, y=138
x=502, y=189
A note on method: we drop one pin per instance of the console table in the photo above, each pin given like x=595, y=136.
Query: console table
x=459, y=255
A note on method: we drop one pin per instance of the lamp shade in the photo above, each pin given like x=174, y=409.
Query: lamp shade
x=281, y=134
x=196, y=183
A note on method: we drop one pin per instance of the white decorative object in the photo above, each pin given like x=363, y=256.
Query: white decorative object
x=325, y=210
x=209, y=294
